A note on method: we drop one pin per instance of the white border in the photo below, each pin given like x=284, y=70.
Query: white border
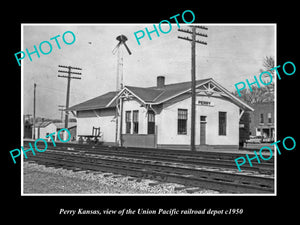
x=139, y=24
x=22, y=113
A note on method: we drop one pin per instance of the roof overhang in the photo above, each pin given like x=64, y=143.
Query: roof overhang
x=237, y=101
x=208, y=86
x=126, y=93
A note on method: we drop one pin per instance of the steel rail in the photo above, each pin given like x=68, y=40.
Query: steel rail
x=214, y=154
x=162, y=156
x=188, y=176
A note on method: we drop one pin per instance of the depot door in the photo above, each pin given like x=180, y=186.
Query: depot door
x=202, y=130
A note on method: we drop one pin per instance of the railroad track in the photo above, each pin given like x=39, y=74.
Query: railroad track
x=210, y=159
x=157, y=170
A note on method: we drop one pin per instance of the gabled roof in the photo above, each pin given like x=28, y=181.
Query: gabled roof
x=158, y=95
x=153, y=95
x=173, y=90
x=42, y=123
x=146, y=94
x=99, y=102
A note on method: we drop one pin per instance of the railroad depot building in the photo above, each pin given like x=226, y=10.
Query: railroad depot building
x=159, y=116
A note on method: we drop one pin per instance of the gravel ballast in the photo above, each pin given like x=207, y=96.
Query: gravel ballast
x=39, y=179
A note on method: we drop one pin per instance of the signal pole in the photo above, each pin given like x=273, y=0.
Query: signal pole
x=119, y=103
x=68, y=87
x=193, y=75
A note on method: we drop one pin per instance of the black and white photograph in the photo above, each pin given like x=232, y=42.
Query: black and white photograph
x=150, y=109
x=140, y=111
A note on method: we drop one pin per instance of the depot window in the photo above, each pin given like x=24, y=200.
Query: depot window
x=128, y=121
x=135, y=120
x=182, y=121
x=222, y=123
x=151, y=122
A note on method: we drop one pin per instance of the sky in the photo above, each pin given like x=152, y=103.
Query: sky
x=234, y=52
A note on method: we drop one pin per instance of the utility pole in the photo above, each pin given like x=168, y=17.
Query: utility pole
x=33, y=125
x=193, y=75
x=68, y=87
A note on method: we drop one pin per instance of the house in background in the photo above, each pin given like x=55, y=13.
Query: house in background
x=27, y=129
x=159, y=116
x=43, y=128
x=263, y=120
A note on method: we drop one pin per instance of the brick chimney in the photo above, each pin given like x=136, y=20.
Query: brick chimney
x=160, y=81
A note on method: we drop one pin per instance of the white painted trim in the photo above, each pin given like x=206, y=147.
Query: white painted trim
x=217, y=85
x=180, y=93
x=94, y=110
x=241, y=114
x=231, y=95
x=121, y=92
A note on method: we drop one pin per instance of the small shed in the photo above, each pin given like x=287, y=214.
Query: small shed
x=72, y=127
x=44, y=128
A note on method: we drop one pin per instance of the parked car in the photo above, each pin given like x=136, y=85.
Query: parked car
x=255, y=139
x=267, y=140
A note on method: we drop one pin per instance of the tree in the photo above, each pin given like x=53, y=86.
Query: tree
x=268, y=64
x=264, y=93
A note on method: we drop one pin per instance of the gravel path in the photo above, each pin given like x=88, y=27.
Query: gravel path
x=39, y=179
